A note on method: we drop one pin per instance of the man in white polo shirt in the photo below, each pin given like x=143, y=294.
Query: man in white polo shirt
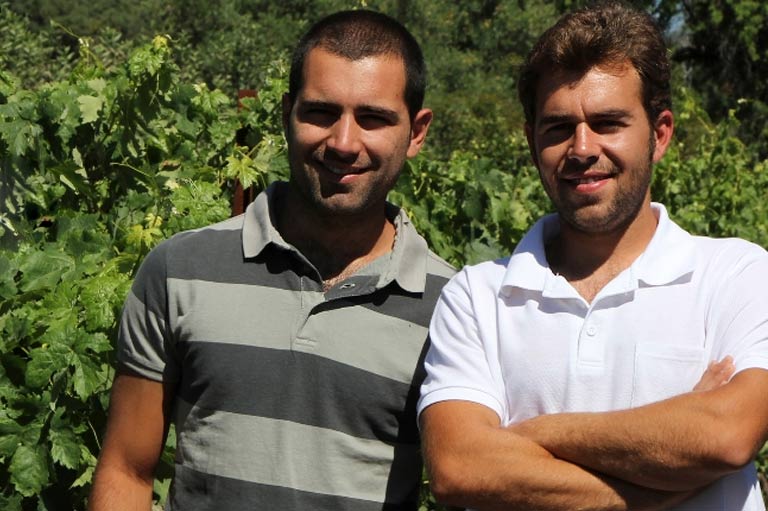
x=565, y=376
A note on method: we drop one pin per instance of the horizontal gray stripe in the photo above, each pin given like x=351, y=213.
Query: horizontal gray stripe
x=141, y=347
x=305, y=461
x=194, y=490
x=298, y=387
x=273, y=318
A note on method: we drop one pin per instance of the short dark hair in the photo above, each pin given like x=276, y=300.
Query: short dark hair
x=357, y=34
x=607, y=33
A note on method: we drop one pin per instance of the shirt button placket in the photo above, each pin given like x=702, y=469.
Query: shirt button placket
x=591, y=350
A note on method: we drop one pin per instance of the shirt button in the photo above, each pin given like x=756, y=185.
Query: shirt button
x=591, y=330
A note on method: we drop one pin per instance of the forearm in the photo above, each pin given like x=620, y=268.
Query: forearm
x=535, y=482
x=486, y=467
x=116, y=490
x=607, y=444
x=682, y=443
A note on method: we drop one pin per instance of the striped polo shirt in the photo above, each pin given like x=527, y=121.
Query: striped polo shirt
x=287, y=397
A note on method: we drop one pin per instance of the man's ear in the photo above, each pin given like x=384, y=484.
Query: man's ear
x=287, y=107
x=663, y=129
x=419, y=128
x=531, y=144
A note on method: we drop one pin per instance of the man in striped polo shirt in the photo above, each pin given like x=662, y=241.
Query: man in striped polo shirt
x=285, y=344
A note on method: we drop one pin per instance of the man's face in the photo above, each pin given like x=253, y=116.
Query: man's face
x=349, y=132
x=594, y=146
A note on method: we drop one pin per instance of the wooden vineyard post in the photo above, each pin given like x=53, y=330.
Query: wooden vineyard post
x=242, y=197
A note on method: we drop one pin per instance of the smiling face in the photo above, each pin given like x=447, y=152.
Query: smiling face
x=594, y=147
x=349, y=133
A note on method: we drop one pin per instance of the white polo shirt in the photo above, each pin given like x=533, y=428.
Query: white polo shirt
x=513, y=336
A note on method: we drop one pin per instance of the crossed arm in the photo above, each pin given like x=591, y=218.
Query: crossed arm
x=678, y=444
x=647, y=458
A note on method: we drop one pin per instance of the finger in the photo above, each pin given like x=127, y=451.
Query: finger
x=718, y=373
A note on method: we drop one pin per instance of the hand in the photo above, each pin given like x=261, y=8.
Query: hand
x=718, y=373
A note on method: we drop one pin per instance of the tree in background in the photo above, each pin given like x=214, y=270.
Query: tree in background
x=722, y=46
x=132, y=19
x=473, y=47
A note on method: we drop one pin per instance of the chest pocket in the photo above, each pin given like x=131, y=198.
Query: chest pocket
x=663, y=370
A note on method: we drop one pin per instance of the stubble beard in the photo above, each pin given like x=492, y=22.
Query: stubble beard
x=620, y=211
x=336, y=203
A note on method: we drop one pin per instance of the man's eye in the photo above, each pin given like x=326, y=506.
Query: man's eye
x=561, y=129
x=372, y=121
x=608, y=126
x=558, y=127
x=317, y=116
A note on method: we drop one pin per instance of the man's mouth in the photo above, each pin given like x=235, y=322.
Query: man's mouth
x=343, y=170
x=586, y=180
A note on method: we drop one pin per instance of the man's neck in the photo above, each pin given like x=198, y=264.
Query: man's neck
x=589, y=261
x=337, y=246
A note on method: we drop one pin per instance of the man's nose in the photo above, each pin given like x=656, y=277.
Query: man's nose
x=585, y=147
x=344, y=138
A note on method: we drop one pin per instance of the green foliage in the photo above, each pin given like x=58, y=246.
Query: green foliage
x=237, y=55
x=32, y=55
x=88, y=18
x=107, y=146
x=469, y=208
x=762, y=470
x=96, y=170
x=732, y=66
x=709, y=180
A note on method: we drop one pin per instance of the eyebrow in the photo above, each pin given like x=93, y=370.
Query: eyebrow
x=615, y=114
x=612, y=114
x=310, y=103
x=554, y=119
x=390, y=114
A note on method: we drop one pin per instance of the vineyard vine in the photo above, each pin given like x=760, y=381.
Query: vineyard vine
x=97, y=168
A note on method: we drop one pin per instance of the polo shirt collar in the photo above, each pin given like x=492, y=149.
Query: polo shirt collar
x=669, y=256
x=259, y=223
x=408, y=259
x=408, y=263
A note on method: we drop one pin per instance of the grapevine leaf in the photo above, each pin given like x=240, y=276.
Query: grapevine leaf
x=65, y=448
x=84, y=478
x=7, y=272
x=42, y=364
x=89, y=460
x=42, y=269
x=10, y=503
x=87, y=377
x=90, y=106
x=20, y=135
x=9, y=436
x=8, y=391
x=93, y=343
x=97, y=84
x=99, y=301
x=71, y=175
x=29, y=469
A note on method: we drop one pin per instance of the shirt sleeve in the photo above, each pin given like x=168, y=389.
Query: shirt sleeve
x=462, y=362
x=739, y=313
x=144, y=344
